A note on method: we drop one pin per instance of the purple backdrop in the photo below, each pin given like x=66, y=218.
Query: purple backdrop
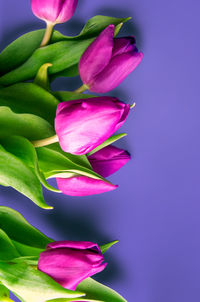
x=155, y=211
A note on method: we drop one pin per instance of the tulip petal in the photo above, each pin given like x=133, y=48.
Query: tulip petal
x=116, y=71
x=82, y=125
x=123, y=45
x=69, y=266
x=47, y=10
x=67, y=10
x=55, y=11
x=108, y=160
x=83, y=186
x=97, y=55
x=81, y=245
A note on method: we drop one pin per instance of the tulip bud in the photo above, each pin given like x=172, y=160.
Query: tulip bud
x=108, y=160
x=83, y=186
x=108, y=61
x=104, y=162
x=70, y=262
x=82, y=125
x=54, y=11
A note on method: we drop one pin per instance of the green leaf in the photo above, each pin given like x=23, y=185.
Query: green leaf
x=27, y=125
x=7, y=249
x=108, y=142
x=107, y=246
x=56, y=164
x=29, y=260
x=24, y=150
x=80, y=160
x=98, y=291
x=4, y=294
x=21, y=171
x=14, y=173
x=63, y=96
x=42, y=77
x=61, y=55
x=20, y=50
x=118, y=28
x=26, y=250
x=32, y=285
x=64, y=52
x=96, y=24
x=19, y=230
x=29, y=98
x=68, y=72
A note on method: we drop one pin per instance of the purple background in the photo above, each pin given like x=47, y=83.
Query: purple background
x=155, y=212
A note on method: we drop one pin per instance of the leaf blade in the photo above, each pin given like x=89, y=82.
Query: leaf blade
x=96, y=290
x=23, y=232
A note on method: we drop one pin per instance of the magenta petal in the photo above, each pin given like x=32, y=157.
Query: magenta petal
x=81, y=245
x=123, y=45
x=83, y=186
x=47, y=10
x=116, y=71
x=124, y=115
x=108, y=160
x=69, y=266
x=97, y=55
x=82, y=125
x=54, y=11
x=67, y=10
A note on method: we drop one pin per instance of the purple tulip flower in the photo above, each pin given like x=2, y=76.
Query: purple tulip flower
x=82, y=125
x=108, y=160
x=70, y=262
x=104, y=162
x=108, y=61
x=54, y=11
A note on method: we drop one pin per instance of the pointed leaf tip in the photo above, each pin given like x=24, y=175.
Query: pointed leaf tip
x=107, y=246
x=132, y=105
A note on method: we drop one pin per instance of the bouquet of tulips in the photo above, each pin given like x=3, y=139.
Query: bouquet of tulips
x=67, y=135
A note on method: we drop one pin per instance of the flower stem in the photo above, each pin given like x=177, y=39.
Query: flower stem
x=45, y=141
x=81, y=89
x=47, y=35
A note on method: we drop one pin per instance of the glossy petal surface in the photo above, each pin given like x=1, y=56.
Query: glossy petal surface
x=82, y=125
x=83, y=186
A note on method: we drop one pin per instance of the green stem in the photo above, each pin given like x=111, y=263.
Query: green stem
x=47, y=35
x=81, y=89
x=45, y=141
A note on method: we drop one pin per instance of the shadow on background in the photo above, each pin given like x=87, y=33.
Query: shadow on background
x=75, y=223
x=69, y=221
